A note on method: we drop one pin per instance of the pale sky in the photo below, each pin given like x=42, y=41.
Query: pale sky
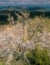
x=23, y=2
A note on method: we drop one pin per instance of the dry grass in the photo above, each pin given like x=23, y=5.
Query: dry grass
x=21, y=34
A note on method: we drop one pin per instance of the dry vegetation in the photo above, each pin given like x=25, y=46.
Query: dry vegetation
x=17, y=40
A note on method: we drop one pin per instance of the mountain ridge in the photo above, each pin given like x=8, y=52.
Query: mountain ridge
x=23, y=8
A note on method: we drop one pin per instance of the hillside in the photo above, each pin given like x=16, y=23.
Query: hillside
x=22, y=31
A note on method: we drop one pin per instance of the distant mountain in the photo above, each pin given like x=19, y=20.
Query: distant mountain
x=36, y=9
x=24, y=8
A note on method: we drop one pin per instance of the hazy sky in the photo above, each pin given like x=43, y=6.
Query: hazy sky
x=23, y=2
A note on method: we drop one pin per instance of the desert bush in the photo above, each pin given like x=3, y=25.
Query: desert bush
x=38, y=56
